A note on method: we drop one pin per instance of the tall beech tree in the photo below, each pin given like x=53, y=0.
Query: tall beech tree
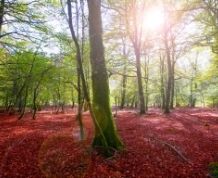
x=136, y=39
x=100, y=86
x=169, y=73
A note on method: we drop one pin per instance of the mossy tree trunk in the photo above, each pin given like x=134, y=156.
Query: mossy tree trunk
x=100, y=87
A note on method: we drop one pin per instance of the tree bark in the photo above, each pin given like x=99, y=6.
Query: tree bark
x=132, y=101
x=146, y=83
x=124, y=79
x=34, y=103
x=23, y=106
x=173, y=86
x=169, y=76
x=2, y=4
x=80, y=71
x=162, y=91
x=80, y=105
x=139, y=79
x=123, y=90
x=100, y=86
x=135, y=38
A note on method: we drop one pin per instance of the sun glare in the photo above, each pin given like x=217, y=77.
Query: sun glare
x=154, y=19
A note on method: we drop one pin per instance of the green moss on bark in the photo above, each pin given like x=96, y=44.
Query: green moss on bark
x=106, y=135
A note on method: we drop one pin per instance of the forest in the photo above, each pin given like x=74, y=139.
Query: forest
x=108, y=89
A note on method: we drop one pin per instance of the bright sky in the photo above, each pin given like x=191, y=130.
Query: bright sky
x=153, y=19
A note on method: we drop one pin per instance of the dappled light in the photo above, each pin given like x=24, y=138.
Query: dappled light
x=108, y=89
x=58, y=153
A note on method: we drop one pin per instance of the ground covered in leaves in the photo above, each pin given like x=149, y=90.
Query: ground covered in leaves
x=179, y=145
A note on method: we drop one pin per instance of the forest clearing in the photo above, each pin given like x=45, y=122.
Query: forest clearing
x=49, y=146
x=108, y=89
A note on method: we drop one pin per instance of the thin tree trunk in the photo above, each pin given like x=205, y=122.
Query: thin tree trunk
x=173, y=86
x=162, y=91
x=23, y=107
x=132, y=101
x=35, y=94
x=191, y=94
x=139, y=79
x=25, y=83
x=79, y=94
x=146, y=83
x=80, y=67
x=2, y=5
x=124, y=80
x=6, y=101
x=58, y=98
x=123, y=90
x=80, y=106
x=34, y=103
x=169, y=76
x=72, y=99
x=135, y=37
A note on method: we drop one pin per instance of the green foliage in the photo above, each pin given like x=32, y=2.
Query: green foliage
x=213, y=168
x=53, y=81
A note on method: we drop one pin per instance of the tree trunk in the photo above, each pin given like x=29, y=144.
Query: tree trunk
x=58, y=98
x=162, y=91
x=80, y=105
x=80, y=72
x=23, y=107
x=173, y=86
x=100, y=86
x=146, y=83
x=139, y=79
x=123, y=90
x=169, y=76
x=124, y=80
x=192, y=100
x=2, y=5
x=35, y=93
x=132, y=101
x=72, y=99
x=34, y=103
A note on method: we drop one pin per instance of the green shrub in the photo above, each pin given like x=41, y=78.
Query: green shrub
x=213, y=168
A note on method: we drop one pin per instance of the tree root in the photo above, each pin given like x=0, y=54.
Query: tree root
x=173, y=149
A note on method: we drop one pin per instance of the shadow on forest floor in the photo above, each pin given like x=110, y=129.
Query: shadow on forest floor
x=180, y=144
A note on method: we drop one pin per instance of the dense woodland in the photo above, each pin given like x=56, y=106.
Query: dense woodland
x=99, y=61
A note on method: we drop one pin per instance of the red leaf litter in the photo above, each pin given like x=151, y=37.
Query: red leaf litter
x=178, y=145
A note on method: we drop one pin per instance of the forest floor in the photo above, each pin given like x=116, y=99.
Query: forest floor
x=178, y=145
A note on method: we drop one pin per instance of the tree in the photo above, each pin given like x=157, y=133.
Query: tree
x=22, y=21
x=136, y=39
x=2, y=4
x=100, y=88
x=169, y=71
x=130, y=13
x=80, y=71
